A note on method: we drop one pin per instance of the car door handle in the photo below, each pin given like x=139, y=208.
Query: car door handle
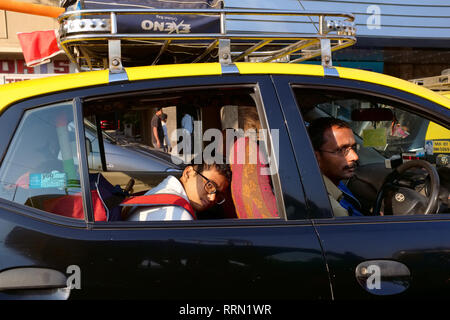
x=31, y=278
x=383, y=277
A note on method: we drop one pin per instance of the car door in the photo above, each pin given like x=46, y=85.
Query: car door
x=372, y=256
x=226, y=258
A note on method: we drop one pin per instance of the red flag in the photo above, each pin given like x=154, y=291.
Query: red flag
x=39, y=46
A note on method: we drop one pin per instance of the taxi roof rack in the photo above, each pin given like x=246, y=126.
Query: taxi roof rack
x=93, y=39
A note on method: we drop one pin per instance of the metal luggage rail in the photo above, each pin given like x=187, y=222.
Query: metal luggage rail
x=92, y=39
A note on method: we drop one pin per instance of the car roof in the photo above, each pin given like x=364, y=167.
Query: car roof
x=14, y=92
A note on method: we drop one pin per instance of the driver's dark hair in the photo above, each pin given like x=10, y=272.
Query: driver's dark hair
x=318, y=126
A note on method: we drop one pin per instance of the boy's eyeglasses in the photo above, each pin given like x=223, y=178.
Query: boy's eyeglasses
x=211, y=188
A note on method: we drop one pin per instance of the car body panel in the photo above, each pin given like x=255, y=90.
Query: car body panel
x=171, y=260
x=176, y=259
x=420, y=244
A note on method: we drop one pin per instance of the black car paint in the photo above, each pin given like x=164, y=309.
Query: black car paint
x=421, y=243
x=288, y=258
x=222, y=259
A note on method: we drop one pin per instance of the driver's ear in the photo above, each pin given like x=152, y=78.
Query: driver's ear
x=317, y=154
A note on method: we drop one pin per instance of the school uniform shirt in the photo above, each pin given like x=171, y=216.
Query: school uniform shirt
x=170, y=185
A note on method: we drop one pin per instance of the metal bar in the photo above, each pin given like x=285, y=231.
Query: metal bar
x=209, y=12
x=318, y=52
x=86, y=57
x=222, y=24
x=206, y=36
x=115, y=56
x=82, y=161
x=251, y=50
x=210, y=48
x=113, y=23
x=224, y=51
x=295, y=47
x=71, y=58
x=163, y=48
x=325, y=49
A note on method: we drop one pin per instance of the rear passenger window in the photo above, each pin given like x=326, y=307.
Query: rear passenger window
x=220, y=124
x=40, y=169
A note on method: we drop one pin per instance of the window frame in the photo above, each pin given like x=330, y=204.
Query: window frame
x=267, y=96
x=12, y=118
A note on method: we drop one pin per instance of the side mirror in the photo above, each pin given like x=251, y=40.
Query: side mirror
x=372, y=114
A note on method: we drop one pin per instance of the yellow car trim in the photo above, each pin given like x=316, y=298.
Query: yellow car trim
x=10, y=93
x=21, y=90
x=173, y=71
x=385, y=80
x=280, y=68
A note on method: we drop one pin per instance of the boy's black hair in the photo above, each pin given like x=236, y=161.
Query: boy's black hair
x=223, y=169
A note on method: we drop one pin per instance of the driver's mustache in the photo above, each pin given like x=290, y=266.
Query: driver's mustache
x=352, y=166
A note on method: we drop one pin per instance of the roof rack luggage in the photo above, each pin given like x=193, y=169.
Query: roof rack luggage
x=115, y=37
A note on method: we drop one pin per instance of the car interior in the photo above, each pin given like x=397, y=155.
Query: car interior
x=389, y=136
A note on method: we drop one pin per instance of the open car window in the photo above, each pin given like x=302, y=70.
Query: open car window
x=383, y=128
x=205, y=124
x=388, y=136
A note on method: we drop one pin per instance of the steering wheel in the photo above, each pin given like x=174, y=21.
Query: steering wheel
x=402, y=200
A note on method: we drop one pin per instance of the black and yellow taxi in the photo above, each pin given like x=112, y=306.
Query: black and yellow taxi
x=399, y=248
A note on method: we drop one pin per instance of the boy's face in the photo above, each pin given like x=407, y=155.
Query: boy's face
x=194, y=185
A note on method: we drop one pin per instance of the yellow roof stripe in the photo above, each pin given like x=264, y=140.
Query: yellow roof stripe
x=173, y=70
x=385, y=80
x=280, y=68
x=10, y=93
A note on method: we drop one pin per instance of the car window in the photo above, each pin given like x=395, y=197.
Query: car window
x=387, y=134
x=39, y=168
x=220, y=124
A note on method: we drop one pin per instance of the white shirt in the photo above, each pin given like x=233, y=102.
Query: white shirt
x=170, y=185
x=186, y=123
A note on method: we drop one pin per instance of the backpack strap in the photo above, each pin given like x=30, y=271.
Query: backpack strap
x=160, y=199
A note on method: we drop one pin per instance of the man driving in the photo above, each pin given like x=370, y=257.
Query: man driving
x=335, y=149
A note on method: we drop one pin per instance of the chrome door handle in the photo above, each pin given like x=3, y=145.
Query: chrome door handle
x=383, y=277
x=31, y=278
